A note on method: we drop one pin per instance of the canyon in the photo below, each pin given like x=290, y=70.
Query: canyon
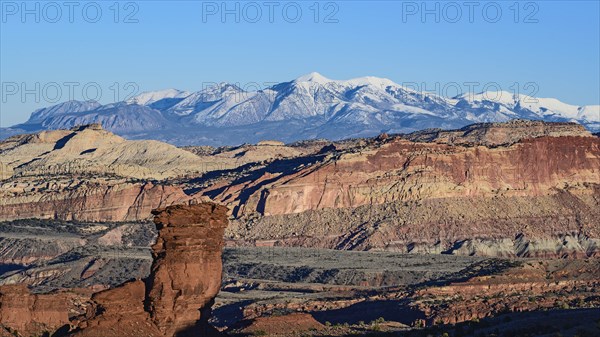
x=530, y=197
x=450, y=226
x=522, y=188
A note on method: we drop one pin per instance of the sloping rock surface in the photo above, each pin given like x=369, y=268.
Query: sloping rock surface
x=524, y=192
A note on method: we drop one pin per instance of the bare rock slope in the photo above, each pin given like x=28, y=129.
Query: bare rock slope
x=29, y=314
x=534, y=193
x=90, y=149
x=89, y=174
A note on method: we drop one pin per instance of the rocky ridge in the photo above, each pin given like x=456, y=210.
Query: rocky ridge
x=90, y=174
x=523, y=188
x=498, y=134
x=308, y=107
x=534, y=285
x=504, y=290
x=531, y=192
x=90, y=149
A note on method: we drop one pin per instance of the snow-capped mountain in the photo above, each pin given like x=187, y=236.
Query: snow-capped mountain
x=310, y=106
x=40, y=115
x=121, y=118
x=149, y=97
x=540, y=107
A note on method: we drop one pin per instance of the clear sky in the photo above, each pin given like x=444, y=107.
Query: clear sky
x=188, y=44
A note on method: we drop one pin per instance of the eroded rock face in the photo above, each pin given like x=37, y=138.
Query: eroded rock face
x=118, y=312
x=86, y=200
x=90, y=174
x=175, y=299
x=186, y=273
x=537, y=197
x=29, y=314
x=531, y=286
x=496, y=134
x=90, y=149
x=406, y=171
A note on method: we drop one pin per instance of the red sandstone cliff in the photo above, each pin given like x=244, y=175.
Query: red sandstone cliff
x=536, y=197
x=403, y=171
x=113, y=200
x=90, y=174
x=29, y=314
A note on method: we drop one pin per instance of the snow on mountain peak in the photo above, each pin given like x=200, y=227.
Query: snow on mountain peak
x=312, y=102
x=502, y=97
x=541, y=107
x=63, y=108
x=149, y=97
x=313, y=77
x=372, y=81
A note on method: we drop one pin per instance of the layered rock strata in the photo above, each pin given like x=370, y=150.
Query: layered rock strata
x=91, y=199
x=533, y=286
x=186, y=273
x=537, y=197
x=498, y=134
x=30, y=314
x=185, y=277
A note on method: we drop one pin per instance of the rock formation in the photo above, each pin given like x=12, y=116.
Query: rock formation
x=406, y=171
x=29, y=314
x=536, y=197
x=93, y=199
x=523, y=188
x=186, y=276
x=534, y=285
x=92, y=150
x=117, y=312
x=175, y=300
x=186, y=273
x=89, y=174
x=497, y=134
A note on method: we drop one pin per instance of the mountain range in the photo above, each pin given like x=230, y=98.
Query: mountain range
x=311, y=106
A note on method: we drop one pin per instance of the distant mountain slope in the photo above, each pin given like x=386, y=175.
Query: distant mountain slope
x=310, y=106
x=91, y=150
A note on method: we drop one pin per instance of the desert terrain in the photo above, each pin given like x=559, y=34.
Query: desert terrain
x=493, y=229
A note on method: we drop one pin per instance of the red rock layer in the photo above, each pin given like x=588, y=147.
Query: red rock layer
x=175, y=300
x=536, y=285
x=524, y=199
x=118, y=312
x=118, y=202
x=186, y=273
x=31, y=315
x=402, y=171
x=178, y=294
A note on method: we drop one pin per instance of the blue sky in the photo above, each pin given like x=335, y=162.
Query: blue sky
x=187, y=44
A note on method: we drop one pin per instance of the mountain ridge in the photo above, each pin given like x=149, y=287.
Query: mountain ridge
x=310, y=106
